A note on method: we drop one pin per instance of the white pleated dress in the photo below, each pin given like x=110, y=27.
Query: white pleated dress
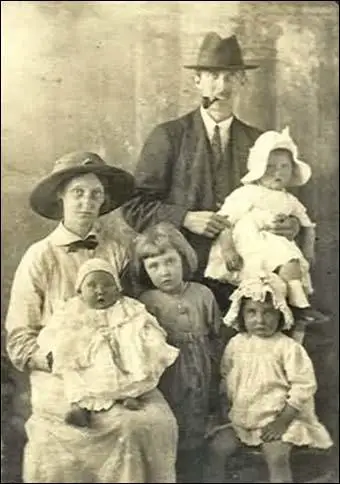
x=261, y=376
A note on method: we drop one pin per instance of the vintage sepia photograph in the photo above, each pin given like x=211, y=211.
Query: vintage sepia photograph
x=170, y=241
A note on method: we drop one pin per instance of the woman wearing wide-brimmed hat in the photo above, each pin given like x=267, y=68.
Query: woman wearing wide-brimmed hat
x=122, y=445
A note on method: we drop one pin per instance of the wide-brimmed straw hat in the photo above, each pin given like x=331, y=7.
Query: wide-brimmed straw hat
x=257, y=289
x=217, y=53
x=259, y=154
x=118, y=183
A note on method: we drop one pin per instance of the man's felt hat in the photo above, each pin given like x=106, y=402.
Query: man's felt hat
x=220, y=54
x=118, y=184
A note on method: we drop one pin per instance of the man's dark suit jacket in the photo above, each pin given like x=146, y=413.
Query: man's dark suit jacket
x=174, y=175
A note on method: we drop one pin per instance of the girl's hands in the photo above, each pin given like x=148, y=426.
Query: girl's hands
x=274, y=430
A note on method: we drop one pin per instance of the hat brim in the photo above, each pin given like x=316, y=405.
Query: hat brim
x=118, y=184
x=242, y=67
x=300, y=176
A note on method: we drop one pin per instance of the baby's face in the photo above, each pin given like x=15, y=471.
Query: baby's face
x=279, y=170
x=99, y=290
x=260, y=318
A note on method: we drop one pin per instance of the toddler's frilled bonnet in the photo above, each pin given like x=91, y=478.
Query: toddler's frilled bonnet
x=94, y=265
x=259, y=154
x=256, y=289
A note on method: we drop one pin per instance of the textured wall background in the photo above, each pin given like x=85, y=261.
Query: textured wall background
x=99, y=75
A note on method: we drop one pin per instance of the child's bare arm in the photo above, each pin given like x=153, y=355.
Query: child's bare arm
x=232, y=259
x=224, y=403
x=308, y=243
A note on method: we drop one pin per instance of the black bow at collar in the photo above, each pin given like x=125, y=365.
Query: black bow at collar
x=89, y=243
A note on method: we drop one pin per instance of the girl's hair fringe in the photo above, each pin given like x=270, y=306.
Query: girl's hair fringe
x=156, y=240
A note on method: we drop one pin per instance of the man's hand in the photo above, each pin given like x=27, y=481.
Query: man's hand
x=310, y=256
x=308, y=244
x=286, y=226
x=205, y=223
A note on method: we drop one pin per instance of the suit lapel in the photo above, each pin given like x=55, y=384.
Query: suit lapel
x=196, y=155
x=239, y=147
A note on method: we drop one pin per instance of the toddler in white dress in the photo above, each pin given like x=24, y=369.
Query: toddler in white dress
x=248, y=247
x=107, y=347
x=268, y=383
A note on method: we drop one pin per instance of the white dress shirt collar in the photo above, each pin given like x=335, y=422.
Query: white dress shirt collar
x=62, y=236
x=210, y=124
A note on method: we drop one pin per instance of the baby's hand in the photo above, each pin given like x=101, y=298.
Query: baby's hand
x=274, y=430
x=132, y=403
x=232, y=260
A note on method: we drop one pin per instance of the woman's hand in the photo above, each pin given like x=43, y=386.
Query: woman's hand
x=40, y=362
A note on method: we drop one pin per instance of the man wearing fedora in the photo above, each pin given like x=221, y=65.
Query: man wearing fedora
x=189, y=165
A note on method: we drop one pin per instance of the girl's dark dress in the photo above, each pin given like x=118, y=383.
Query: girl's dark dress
x=192, y=321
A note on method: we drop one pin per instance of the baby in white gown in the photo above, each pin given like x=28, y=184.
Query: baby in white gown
x=248, y=248
x=107, y=347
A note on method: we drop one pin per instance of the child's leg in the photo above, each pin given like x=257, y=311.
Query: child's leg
x=292, y=275
x=221, y=446
x=304, y=314
x=189, y=466
x=277, y=456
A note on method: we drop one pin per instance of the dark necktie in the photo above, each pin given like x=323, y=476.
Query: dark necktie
x=220, y=168
x=216, y=146
x=89, y=243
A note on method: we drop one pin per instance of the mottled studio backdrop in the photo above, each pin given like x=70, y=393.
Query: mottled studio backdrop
x=99, y=75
